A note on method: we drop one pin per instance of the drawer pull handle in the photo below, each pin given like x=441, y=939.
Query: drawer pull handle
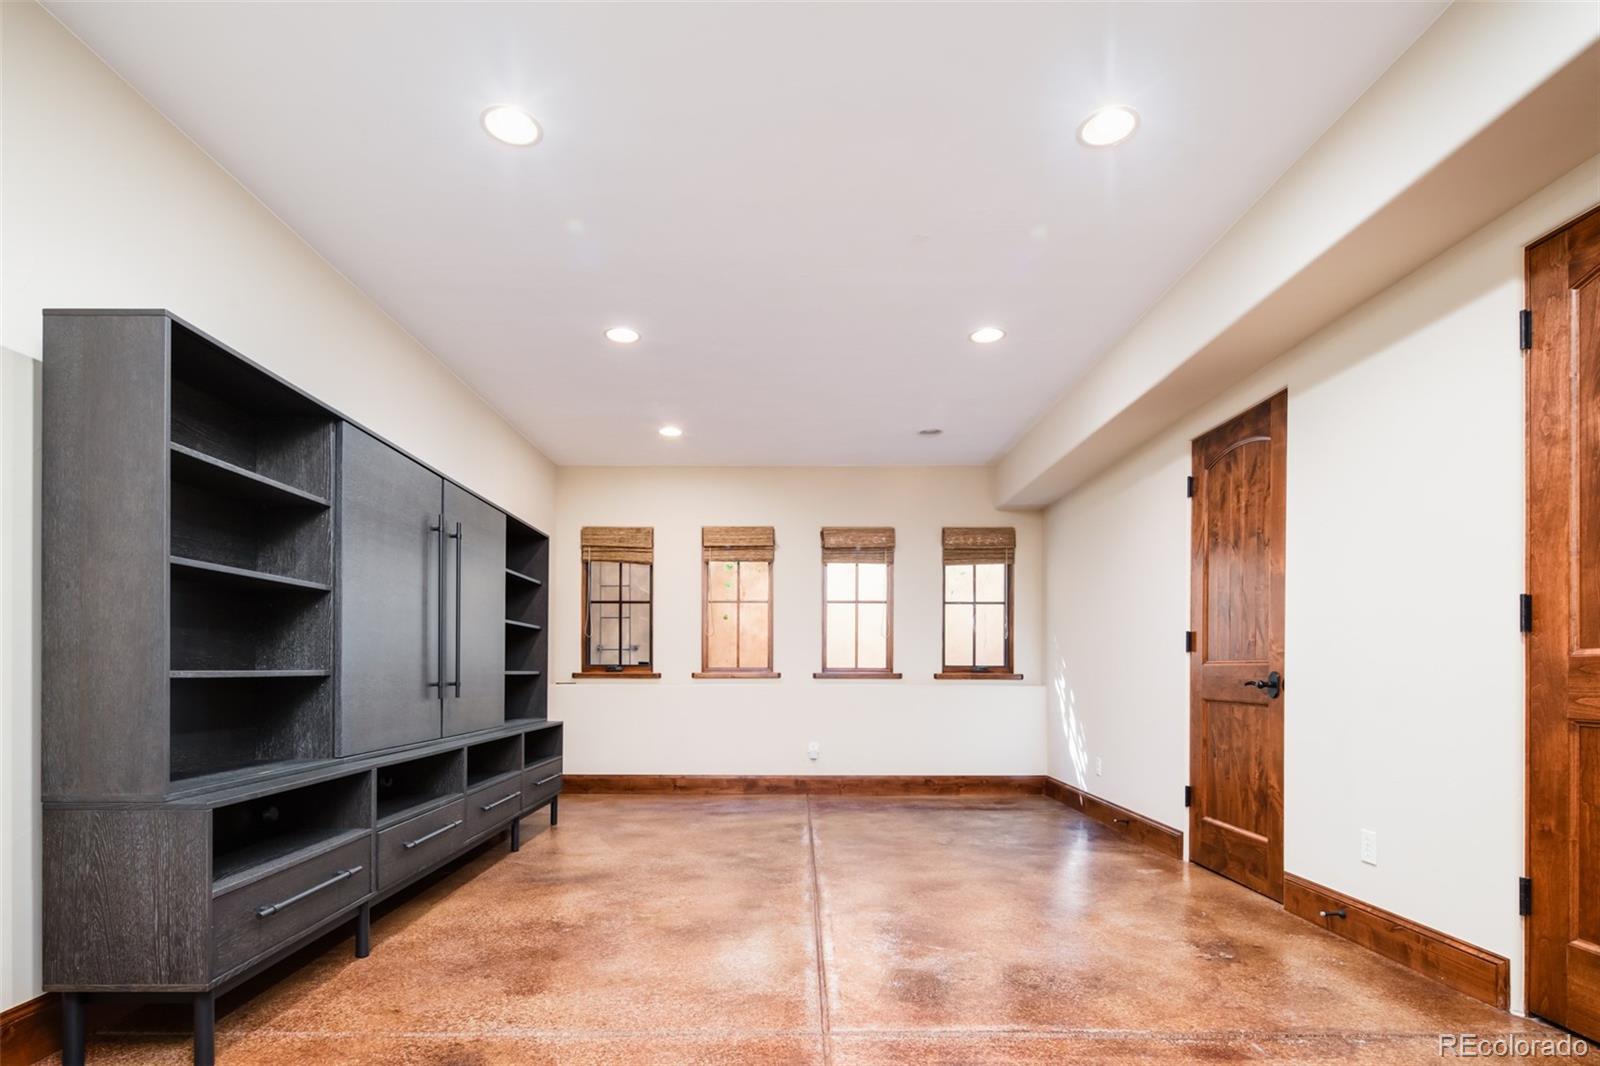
x=546, y=781
x=424, y=838
x=502, y=799
x=266, y=910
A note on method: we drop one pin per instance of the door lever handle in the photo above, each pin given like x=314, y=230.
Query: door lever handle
x=1272, y=684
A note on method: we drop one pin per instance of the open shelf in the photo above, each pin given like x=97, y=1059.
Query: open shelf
x=218, y=475
x=541, y=744
x=524, y=673
x=258, y=837
x=536, y=627
x=525, y=696
x=240, y=576
x=527, y=613
x=259, y=675
x=230, y=721
x=492, y=759
x=407, y=788
x=518, y=575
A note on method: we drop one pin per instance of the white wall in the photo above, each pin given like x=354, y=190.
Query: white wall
x=105, y=204
x=1404, y=668
x=680, y=725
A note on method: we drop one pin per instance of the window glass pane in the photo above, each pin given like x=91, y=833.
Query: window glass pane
x=636, y=634
x=957, y=634
x=722, y=581
x=873, y=648
x=841, y=581
x=603, y=634
x=753, y=636
x=840, y=652
x=991, y=582
x=873, y=581
x=991, y=635
x=638, y=578
x=722, y=636
x=603, y=580
x=958, y=583
x=755, y=581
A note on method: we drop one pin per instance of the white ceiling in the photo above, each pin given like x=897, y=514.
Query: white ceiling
x=805, y=209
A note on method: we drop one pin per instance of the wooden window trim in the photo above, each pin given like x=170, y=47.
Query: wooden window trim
x=718, y=546
x=864, y=545
x=629, y=672
x=1002, y=543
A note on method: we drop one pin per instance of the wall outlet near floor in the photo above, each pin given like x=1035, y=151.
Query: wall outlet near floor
x=1369, y=847
x=813, y=751
x=1099, y=767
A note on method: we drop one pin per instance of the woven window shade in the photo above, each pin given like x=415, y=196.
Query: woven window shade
x=618, y=544
x=745, y=544
x=979, y=544
x=857, y=544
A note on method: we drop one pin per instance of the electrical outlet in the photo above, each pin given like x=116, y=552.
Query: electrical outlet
x=813, y=751
x=1369, y=847
x=1099, y=767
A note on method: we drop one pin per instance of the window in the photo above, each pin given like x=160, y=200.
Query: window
x=977, y=604
x=857, y=603
x=736, y=576
x=617, y=561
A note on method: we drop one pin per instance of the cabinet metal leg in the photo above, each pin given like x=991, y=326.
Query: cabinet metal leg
x=205, y=1029
x=73, y=1029
x=516, y=834
x=554, y=809
x=364, y=931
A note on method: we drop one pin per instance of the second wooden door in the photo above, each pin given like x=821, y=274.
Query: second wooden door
x=1236, y=670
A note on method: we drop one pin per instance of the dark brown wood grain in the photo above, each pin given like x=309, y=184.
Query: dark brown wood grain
x=1237, y=576
x=788, y=785
x=1563, y=649
x=1135, y=826
x=1465, y=967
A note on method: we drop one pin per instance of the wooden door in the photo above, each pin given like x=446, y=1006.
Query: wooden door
x=1563, y=647
x=475, y=613
x=389, y=559
x=1236, y=710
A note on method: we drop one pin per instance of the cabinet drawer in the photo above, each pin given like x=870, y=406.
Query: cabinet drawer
x=418, y=843
x=494, y=805
x=540, y=783
x=258, y=917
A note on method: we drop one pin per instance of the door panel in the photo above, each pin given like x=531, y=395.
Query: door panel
x=475, y=613
x=388, y=596
x=1236, y=727
x=1563, y=649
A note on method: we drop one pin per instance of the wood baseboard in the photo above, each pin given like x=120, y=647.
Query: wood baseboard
x=30, y=1031
x=798, y=785
x=1465, y=967
x=1146, y=831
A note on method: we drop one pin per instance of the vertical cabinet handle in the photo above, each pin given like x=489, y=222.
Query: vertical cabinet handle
x=437, y=528
x=460, y=538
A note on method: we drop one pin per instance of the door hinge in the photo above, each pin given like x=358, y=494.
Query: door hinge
x=1525, y=330
x=1188, y=640
x=1525, y=613
x=1188, y=795
x=1189, y=491
x=1524, y=896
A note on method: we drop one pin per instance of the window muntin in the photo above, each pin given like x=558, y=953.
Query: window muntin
x=618, y=632
x=856, y=617
x=738, y=613
x=976, y=616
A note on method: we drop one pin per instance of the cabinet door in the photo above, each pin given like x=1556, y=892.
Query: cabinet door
x=475, y=614
x=389, y=618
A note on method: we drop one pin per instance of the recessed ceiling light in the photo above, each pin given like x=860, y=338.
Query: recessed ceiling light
x=1108, y=125
x=986, y=335
x=929, y=432
x=670, y=431
x=511, y=125
x=622, y=334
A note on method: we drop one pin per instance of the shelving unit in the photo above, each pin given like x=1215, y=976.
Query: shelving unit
x=492, y=759
x=527, y=613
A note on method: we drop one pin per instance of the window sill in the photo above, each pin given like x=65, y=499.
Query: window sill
x=857, y=675
x=734, y=675
x=617, y=675
x=976, y=675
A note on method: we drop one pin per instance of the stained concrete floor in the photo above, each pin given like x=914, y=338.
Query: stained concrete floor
x=840, y=931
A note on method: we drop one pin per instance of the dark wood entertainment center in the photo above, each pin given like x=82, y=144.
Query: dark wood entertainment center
x=288, y=669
